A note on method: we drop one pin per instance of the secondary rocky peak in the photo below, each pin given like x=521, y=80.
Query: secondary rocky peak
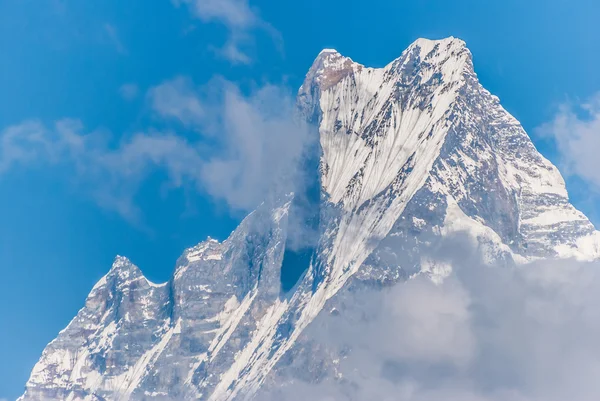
x=428, y=47
x=123, y=277
x=447, y=55
x=122, y=265
x=329, y=68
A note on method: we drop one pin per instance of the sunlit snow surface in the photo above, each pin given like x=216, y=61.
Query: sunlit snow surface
x=411, y=152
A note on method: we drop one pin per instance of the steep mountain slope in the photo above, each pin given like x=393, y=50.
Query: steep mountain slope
x=410, y=153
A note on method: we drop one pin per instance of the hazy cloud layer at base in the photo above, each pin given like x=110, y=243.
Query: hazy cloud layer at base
x=485, y=334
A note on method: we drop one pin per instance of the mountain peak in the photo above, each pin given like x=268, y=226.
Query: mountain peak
x=411, y=154
x=447, y=58
x=123, y=272
x=439, y=50
x=431, y=43
x=123, y=267
x=330, y=67
x=121, y=261
x=328, y=57
x=329, y=51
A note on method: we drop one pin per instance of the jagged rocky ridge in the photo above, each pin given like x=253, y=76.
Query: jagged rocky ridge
x=410, y=153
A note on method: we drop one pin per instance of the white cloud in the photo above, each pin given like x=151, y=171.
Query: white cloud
x=527, y=333
x=239, y=18
x=20, y=144
x=116, y=175
x=129, y=91
x=263, y=146
x=232, y=52
x=435, y=326
x=114, y=38
x=576, y=130
x=251, y=148
x=260, y=139
x=111, y=175
x=236, y=14
x=177, y=98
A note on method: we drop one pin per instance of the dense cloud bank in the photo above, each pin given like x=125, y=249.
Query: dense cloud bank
x=528, y=333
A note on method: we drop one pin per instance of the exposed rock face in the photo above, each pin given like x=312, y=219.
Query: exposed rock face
x=410, y=153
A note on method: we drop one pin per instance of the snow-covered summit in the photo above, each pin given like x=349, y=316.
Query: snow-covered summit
x=449, y=44
x=411, y=153
x=330, y=66
x=427, y=111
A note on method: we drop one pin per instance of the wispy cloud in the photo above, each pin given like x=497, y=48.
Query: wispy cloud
x=113, y=36
x=21, y=144
x=129, y=91
x=239, y=18
x=246, y=147
x=236, y=14
x=232, y=50
x=260, y=140
x=177, y=98
x=111, y=175
x=576, y=131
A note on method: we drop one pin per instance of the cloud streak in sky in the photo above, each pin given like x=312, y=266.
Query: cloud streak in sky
x=576, y=131
x=111, y=174
x=235, y=14
x=113, y=37
x=240, y=20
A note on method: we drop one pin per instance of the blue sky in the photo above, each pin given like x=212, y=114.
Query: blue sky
x=95, y=88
